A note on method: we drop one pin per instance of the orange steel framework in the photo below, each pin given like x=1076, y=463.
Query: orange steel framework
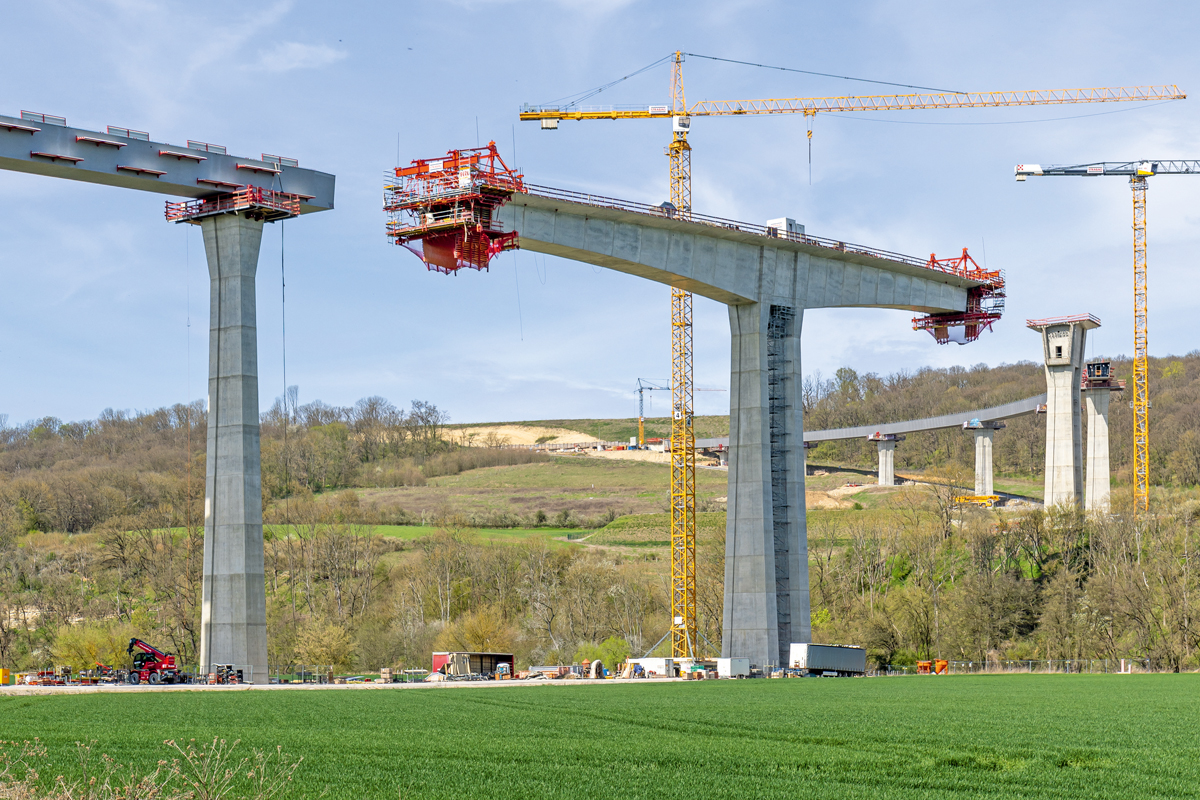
x=262, y=204
x=1141, y=417
x=985, y=303
x=443, y=209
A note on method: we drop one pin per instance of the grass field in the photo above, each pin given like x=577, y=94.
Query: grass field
x=1030, y=736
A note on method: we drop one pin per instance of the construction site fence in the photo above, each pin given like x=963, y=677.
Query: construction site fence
x=1042, y=666
x=599, y=201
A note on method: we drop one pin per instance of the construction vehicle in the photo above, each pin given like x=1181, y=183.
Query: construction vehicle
x=981, y=310
x=1137, y=172
x=151, y=665
x=981, y=500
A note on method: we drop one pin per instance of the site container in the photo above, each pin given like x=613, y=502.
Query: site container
x=658, y=667
x=733, y=668
x=828, y=659
x=474, y=663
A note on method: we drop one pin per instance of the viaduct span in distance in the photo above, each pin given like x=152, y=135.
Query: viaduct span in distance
x=231, y=198
x=767, y=281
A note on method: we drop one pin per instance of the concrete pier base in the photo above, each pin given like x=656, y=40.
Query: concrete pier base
x=233, y=622
x=1063, y=343
x=766, y=545
x=1096, y=494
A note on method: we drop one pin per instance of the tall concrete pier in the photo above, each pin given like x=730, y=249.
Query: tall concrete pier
x=1063, y=343
x=768, y=281
x=233, y=621
x=1098, y=387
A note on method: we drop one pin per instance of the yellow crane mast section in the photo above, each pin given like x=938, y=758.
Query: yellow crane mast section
x=894, y=102
x=683, y=482
x=1141, y=383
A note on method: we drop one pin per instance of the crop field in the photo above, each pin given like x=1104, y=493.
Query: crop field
x=1030, y=736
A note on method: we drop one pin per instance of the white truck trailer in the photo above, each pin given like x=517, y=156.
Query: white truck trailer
x=827, y=659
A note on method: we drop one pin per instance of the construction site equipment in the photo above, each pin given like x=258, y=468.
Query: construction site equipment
x=224, y=674
x=151, y=665
x=442, y=209
x=679, y=155
x=1137, y=172
x=827, y=659
x=981, y=500
x=985, y=303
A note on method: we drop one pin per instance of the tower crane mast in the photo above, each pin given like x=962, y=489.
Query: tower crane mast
x=1137, y=172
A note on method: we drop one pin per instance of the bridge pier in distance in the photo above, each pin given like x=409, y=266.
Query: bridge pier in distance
x=1063, y=342
x=1098, y=387
x=985, y=433
x=233, y=622
x=887, y=456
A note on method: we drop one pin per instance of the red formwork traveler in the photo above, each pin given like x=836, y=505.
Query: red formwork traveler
x=443, y=209
x=985, y=303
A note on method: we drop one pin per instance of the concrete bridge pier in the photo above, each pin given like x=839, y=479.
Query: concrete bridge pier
x=766, y=547
x=233, y=621
x=1063, y=342
x=887, y=456
x=984, y=438
x=1096, y=493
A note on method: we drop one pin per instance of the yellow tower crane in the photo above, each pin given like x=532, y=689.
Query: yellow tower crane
x=679, y=152
x=1137, y=172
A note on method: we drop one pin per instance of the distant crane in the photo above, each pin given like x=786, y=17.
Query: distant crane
x=679, y=154
x=1137, y=172
x=646, y=386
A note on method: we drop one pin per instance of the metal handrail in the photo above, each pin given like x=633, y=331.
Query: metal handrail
x=600, y=201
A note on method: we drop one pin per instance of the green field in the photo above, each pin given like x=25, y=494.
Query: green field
x=1031, y=736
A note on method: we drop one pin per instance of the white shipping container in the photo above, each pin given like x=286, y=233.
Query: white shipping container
x=733, y=667
x=819, y=659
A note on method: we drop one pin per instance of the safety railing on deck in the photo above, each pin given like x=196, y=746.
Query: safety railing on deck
x=668, y=212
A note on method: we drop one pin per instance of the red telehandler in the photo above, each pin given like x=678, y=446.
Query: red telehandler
x=152, y=665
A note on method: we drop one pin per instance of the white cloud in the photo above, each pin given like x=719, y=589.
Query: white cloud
x=287, y=56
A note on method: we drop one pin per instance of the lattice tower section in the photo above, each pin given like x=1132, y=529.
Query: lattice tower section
x=1141, y=395
x=683, y=481
x=779, y=330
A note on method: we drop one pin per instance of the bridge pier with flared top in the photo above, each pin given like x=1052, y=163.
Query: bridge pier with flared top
x=1063, y=342
x=887, y=456
x=985, y=433
x=233, y=622
x=766, y=545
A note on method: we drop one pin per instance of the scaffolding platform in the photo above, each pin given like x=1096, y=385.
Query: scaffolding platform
x=256, y=203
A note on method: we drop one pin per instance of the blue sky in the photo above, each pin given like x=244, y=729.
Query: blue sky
x=98, y=290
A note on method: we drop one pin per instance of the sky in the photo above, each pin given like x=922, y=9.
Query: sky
x=103, y=304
